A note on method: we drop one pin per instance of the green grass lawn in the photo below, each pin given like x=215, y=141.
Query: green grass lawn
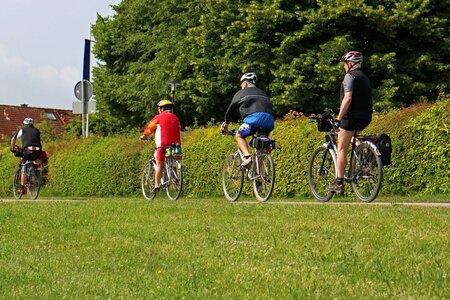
x=211, y=249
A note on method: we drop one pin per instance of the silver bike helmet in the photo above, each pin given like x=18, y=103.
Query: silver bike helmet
x=28, y=121
x=250, y=77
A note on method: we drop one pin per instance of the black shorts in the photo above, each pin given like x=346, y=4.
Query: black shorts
x=31, y=155
x=353, y=124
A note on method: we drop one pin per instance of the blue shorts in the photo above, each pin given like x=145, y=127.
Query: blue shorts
x=256, y=121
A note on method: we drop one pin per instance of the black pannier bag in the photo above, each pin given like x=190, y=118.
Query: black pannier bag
x=384, y=145
x=324, y=124
x=263, y=143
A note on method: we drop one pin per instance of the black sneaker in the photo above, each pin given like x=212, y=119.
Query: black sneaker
x=155, y=190
x=337, y=188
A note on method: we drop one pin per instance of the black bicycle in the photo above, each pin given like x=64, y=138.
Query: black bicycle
x=261, y=172
x=172, y=177
x=28, y=173
x=365, y=171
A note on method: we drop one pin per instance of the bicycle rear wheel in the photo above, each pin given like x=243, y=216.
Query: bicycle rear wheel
x=18, y=189
x=232, y=177
x=174, y=177
x=321, y=173
x=34, y=182
x=366, y=173
x=264, y=180
x=148, y=180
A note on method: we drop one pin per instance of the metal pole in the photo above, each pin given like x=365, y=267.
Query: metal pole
x=87, y=125
x=82, y=113
x=173, y=84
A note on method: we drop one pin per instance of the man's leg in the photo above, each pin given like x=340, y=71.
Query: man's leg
x=160, y=157
x=27, y=156
x=344, y=139
x=243, y=145
x=244, y=131
x=158, y=174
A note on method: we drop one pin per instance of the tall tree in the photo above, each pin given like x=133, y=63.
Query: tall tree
x=294, y=47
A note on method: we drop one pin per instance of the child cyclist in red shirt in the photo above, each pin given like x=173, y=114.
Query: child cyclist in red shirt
x=166, y=127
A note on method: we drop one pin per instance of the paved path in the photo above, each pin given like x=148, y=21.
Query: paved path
x=425, y=204
x=422, y=204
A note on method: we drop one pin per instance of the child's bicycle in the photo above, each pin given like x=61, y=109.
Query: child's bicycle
x=365, y=171
x=172, y=177
x=261, y=172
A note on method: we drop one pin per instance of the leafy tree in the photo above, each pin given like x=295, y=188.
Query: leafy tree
x=293, y=46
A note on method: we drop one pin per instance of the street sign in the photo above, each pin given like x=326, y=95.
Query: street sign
x=83, y=90
x=77, y=107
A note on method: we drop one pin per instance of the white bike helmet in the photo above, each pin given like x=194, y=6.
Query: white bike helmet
x=28, y=121
x=250, y=77
x=353, y=56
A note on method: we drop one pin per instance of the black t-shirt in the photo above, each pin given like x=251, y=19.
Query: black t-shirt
x=249, y=100
x=358, y=83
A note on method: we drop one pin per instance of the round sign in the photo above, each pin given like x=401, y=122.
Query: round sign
x=83, y=90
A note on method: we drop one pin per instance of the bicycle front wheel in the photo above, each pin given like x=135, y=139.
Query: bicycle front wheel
x=232, y=177
x=366, y=173
x=148, y=180
x=34, y=183
x=174, y=179
x=264, y=181
x=321, y=173
x=18, y=189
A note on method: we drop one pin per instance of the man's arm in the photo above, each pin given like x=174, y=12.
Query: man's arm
x=345, y=105
x=348, y=82
x=14, y=139
x=150, y=128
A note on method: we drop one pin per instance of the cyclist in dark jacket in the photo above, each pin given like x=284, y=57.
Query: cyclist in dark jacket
x=31, y=142
x=255, y=109
x=355, y=111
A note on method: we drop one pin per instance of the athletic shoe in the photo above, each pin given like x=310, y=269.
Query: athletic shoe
x=247, y=161
x=337, y=188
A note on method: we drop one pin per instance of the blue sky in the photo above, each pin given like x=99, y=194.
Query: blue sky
x=41, y=49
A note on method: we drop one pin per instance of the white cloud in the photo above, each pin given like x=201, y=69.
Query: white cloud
x=10, y=64
x=70, y=75
x=44, y=85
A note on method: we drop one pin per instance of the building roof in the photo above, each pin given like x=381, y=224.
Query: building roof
x=11, y=117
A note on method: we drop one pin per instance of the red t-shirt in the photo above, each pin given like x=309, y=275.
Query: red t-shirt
x=166, y=127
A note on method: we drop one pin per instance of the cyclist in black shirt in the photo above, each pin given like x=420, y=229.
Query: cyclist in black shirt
x=255, y=109
x=355, y=110
x=31, y=141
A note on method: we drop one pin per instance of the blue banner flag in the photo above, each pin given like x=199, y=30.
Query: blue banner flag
x=87, y=60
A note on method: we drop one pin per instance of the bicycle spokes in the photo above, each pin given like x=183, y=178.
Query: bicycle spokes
x=232, y=177
x=321, y=173
x=367, y=173
x=264, y=176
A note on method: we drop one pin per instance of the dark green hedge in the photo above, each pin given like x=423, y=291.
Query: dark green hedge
x=111, y=166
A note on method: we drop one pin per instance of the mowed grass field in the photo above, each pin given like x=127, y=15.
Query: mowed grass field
x=212, y=249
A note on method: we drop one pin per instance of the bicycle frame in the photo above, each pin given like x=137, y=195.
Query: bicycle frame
x=261, y=172
x=256, y=161
x=171, y=177
x=28, y=173
x=331, y=144
x=364, y=169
